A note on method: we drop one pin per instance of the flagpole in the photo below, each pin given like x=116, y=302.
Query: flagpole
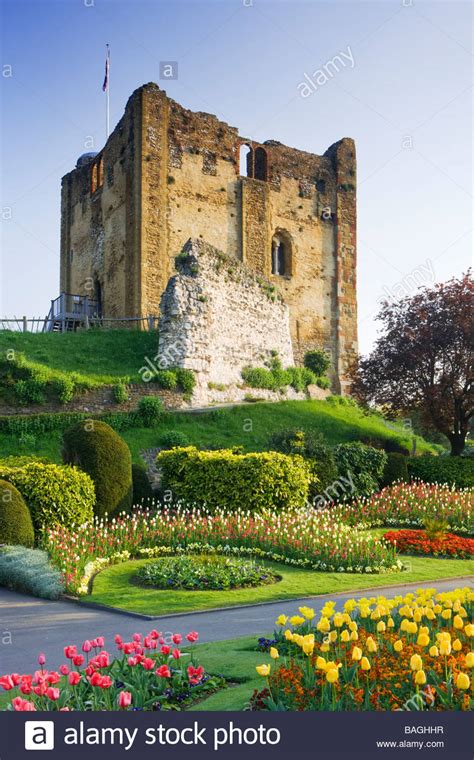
x=107, y=98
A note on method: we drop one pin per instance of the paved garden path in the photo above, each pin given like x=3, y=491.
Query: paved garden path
x=29, y=625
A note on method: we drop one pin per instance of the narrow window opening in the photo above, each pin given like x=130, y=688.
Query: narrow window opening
x=246, y=161
x=261, y=164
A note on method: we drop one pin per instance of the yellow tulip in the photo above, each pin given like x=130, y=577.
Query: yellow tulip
x=445, y=647
x=446, y=614
x=424, y=629
x=332, y=675
x=321, y=663
x=404, y=624
x=434, y=651
x=356, y=653
x=463, y=681
x=307, y=612
x=470, y=660
x=371, y=644
x=412, y=627
x=365, y=664
x=417, y=616
x=324, y=647
x=352, y=625
x=281, y=620
x=354, y=636
x=458, y=622
x=437, y=609
x=332, y=636
x=274, y=653
x=381, y=627
x=345, y=636
x=350, y=605
x=420, y=677
x=423, y=640
x=398, y=646
x=416, y=663
x=263, y=670
x=469, y=629
x=324, y=625
x=288, y=635
x=296, y=620
x=338, y=620
x=390, y=623
x=457, y=646
x=308, y=647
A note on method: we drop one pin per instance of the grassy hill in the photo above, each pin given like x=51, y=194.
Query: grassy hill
x=247, y=425
x=101, y=355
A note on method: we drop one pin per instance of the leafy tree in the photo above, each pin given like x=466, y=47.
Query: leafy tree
x=424, y=359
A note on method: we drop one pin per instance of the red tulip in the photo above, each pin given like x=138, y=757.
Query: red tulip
x=78, y=660
x=74, y=677
x=176, y=654
x=52, y=693
x=148, y=663
x=165, y=649
x=7, y=682
x=176, y=638
x=70, y=652
x=192, y=636
x=195, y=674
x=64, y=670
x=163, y=671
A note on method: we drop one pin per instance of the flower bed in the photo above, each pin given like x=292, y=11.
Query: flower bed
x=410, y=504
x=417, y=542
x=147, y=673
x=311, y=540
x=204, y=573
x=406, y=653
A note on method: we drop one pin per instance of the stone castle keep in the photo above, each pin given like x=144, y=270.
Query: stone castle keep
x=286, y=217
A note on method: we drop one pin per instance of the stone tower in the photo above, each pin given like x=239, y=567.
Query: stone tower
x=167, y=174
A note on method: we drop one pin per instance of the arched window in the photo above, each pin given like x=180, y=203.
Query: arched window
x=261, y=164
x=281, y=254
x=246, y=161
x=97, y=174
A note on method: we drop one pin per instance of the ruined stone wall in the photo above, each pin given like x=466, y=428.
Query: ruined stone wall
x=218, y=317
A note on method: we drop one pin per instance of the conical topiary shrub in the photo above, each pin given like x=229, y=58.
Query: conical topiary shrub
x=98, y=450
x=16, y=526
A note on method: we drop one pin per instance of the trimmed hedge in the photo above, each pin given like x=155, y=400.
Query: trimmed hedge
x=98, y=450
x=55, y=494
x=226, y=480
x=16, y=526
x=364, y=466
x=455, y=471
x=396, y=468
x=312, y=446
x=30, y=571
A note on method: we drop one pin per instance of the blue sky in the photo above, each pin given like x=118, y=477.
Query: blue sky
x=407, y=101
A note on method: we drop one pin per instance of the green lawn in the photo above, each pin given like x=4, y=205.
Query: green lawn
x=113, y=586
x=98, y=354
x=235, y=659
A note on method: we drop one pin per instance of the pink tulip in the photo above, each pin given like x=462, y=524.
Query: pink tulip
x=22, y=705
x=165, y=649
x=87, y=646
x=41, y=659
x=176, y=638
x=70, y=652
x=176, y=654
x=148, y=663
x=124, y=699
x=137, y=637
x=100, y=641
x=192, y=636
x=64, y=670
x=52, y=693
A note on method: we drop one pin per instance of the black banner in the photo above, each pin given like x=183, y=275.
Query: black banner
x=367, y=736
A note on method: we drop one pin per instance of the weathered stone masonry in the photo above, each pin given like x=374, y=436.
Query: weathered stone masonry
x=167, y=174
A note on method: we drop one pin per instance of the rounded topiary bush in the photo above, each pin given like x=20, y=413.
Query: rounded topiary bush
x=396, y=468
x=173, y=438
x=16, y=525
x=98, y=450
x=142, y=490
